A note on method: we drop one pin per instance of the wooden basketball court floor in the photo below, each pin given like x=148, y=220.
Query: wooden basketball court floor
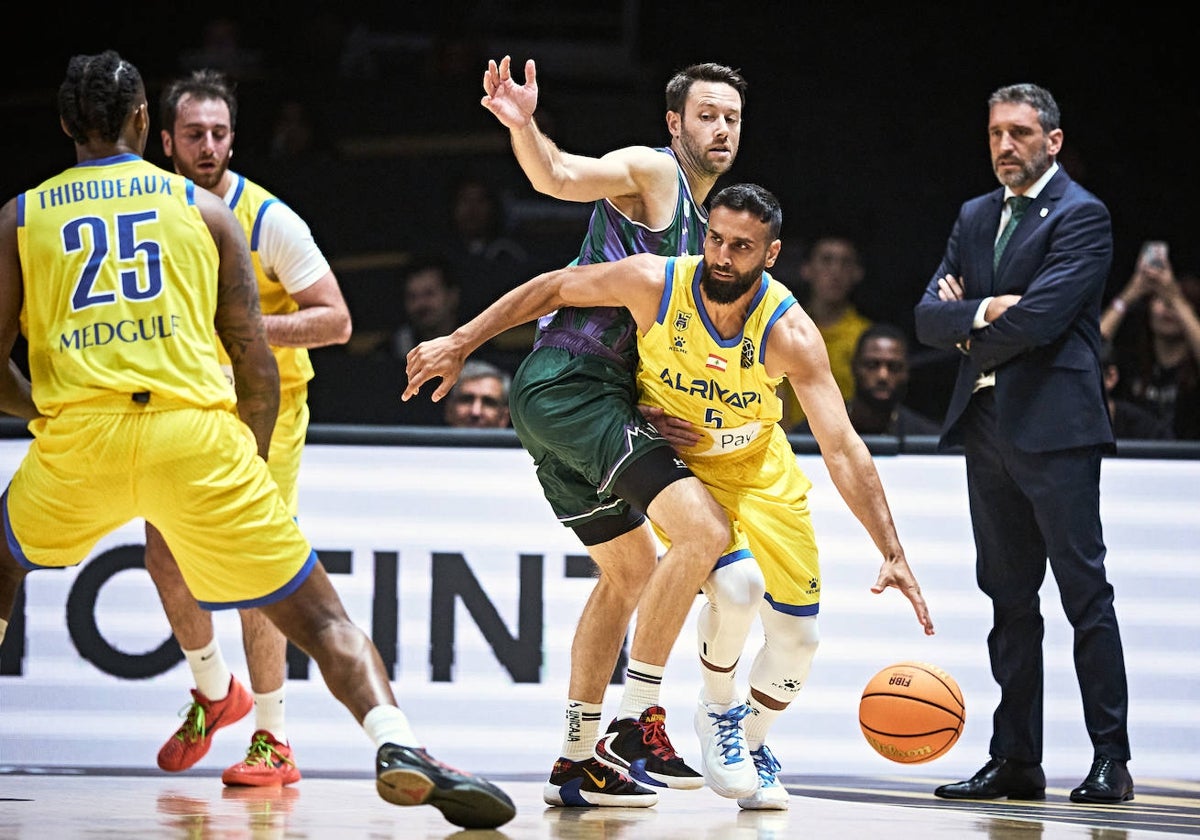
x=64, y=805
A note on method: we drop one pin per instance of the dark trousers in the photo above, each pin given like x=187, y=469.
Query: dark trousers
x=1027, y=507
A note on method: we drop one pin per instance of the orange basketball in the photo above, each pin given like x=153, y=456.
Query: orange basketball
x=911, y=712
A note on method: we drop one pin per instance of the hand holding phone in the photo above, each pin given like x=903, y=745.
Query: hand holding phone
x=1153, y=254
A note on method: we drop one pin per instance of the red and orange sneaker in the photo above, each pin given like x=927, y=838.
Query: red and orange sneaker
x=201, y=718
x=268, y=763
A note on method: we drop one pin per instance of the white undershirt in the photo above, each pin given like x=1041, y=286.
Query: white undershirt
x=286, y=249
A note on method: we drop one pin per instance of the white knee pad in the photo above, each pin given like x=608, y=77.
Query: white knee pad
x=735, y=593
x=783, y=663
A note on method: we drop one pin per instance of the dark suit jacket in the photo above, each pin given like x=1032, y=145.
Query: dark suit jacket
x=1045, y=350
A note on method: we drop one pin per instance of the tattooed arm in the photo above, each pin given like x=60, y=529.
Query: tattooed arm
x=15, y=397
x=239, y=323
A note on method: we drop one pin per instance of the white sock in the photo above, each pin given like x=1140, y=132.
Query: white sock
x=642, y=684
x=719, y=687
x=209, y=670
x=3, y=627
x=581, y=729
x=268, y=713
x=389, y=725
x=758, y=722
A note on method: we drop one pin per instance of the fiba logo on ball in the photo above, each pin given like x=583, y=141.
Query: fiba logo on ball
x=912, y=712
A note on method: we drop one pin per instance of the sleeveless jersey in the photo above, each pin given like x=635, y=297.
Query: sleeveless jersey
x=609, y=331
x=249, y=202
x=684, y=358
x=120, y=282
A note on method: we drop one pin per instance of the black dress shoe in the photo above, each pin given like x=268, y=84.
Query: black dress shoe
x=999, y=778
x=1107, y=783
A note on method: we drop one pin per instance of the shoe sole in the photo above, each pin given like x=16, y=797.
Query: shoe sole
x=751, y=783
x=1092, y=800
x=276, y=780
x=637, y=770
x=767, y=805
x=1030, y=796
x=468, y=805
x=728, y=792
x=553, y=795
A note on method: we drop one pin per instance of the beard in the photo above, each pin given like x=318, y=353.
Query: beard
x=728, y=291
x=206, y=178
x=880, y=399
x=698, y=155
x=209, y=180
x=1029, y=171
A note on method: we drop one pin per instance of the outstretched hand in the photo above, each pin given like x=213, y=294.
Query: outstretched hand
x=437, y=357
x=513, y=104
x=897, y=573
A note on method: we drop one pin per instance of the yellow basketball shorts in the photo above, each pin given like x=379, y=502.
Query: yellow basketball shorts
x=765, y=494
x=287, y=445
x=193, y=473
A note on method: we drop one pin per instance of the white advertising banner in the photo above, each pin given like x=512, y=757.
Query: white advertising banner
x=450, y=559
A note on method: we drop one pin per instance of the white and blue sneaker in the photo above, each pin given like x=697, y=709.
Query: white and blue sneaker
x=771, y=794
x=724, y=756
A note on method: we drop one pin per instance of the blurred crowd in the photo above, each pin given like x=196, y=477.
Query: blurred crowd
x=475, y=229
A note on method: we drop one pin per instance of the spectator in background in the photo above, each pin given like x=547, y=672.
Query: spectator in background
x=477, y=218
x=830, y=272
x=294, y=132
x=432, y=307
x=880, y=367
x=431, y=297
x=479, y=399
x=1161, y=362
x=222, y=48
x=486, y=258
x=1130, y=421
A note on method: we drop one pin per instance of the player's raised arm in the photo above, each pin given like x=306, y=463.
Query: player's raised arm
x=632, y=172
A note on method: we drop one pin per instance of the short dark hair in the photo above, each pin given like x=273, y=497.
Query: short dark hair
x=1036, y=97
x=199, y=84
x=831, y=235
x=681, y=83
x=431, y=261
x=880, y=329
x=752, y=198
x=97, y=94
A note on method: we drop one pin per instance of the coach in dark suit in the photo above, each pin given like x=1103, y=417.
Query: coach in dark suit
x=1023, y=307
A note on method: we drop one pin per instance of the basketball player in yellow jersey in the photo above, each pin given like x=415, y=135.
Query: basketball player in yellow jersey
x=302, y=307
x=130, y=268
x=716, y=335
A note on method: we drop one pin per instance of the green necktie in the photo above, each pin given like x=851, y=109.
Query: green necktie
x=1019, y=204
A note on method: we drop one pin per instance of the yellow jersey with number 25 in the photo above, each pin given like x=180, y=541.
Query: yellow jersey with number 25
x=120, y=281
